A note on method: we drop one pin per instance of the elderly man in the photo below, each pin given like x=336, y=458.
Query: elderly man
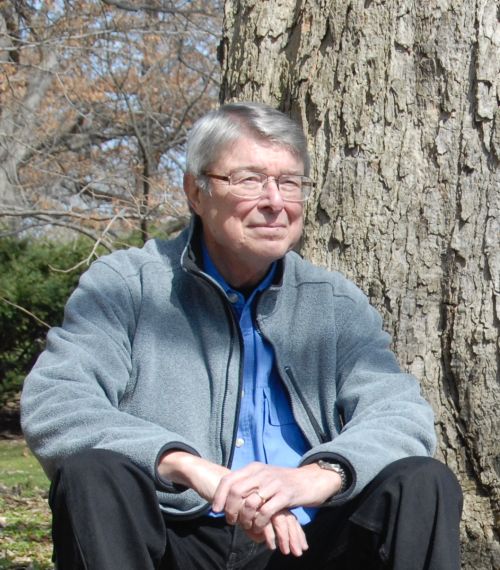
x=215, y=401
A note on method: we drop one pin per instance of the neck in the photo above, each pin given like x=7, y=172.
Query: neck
x=238, y=274
x=240, y=277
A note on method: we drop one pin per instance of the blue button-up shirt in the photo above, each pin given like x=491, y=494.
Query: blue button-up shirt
x=267, y=431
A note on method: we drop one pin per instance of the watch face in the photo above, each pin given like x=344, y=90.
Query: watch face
x=330, y=466
x=338, y=469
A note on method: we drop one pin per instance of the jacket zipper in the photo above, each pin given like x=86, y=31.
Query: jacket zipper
x=314, y=423
x=240, y=381
x=312, y=420
x=233, y=326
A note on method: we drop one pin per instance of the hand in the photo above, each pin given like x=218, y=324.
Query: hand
x=251, y=496
x=192, y=471
x=305, y=486
x=284, y=529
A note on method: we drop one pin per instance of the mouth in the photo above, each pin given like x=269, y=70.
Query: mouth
x=269, y=226
x=269, y=231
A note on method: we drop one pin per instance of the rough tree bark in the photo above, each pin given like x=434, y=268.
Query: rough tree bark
x=400, y=103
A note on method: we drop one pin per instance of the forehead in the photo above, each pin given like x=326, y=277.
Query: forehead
x=260, y=155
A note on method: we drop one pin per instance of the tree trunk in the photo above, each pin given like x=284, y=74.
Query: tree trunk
x=399, y=100
x=18, y=123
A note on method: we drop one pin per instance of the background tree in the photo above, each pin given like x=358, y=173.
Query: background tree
x=400, y=103
x=96, y=97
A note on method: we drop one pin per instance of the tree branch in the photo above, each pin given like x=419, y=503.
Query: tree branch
x=16, y=306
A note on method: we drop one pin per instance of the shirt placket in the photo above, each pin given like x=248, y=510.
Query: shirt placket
x=249, y=439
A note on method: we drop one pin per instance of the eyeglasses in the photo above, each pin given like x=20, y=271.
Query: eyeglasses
x=250, y=185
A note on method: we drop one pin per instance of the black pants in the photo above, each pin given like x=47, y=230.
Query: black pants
x=106, y=517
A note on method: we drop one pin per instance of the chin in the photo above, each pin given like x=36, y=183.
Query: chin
x=273, y=251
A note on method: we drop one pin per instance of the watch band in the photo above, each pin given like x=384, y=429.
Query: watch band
x=339, y=470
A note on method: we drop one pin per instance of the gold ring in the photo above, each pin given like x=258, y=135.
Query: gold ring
x=263, y=499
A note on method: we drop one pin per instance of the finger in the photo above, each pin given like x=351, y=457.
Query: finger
x=244, y=505
x=290, y=535
x=232, y=518
x=298, y=540
x=249, y=510
x=256, y=537
x=270, y=537
x=233, y=503
x=262, y=496
x=266, y=511
x=303, y=539
x=221, y=492
x=281, y=529
x=236, y=486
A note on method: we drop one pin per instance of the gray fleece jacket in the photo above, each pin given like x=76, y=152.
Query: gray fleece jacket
x=149, y=358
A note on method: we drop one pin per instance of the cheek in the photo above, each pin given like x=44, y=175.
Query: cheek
x=227, y=226
x=296, y=218
x=236, y=220
x=297, y=231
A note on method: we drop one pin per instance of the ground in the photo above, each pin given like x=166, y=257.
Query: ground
x=24, y=513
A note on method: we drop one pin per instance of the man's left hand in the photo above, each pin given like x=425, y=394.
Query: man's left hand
x=251, y=496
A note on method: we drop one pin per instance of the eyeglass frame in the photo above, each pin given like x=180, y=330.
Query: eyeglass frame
x=227, y=179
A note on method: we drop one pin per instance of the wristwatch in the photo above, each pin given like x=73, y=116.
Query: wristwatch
x=339, y=470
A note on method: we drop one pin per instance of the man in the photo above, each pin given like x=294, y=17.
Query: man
x=217, y=402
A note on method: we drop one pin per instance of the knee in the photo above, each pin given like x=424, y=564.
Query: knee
x=430, y=470
x=91, y=466
x=427, y=476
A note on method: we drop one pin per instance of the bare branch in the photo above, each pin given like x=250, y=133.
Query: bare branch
x=32, y=315
x=93, y=252
x=159, y=6
x=20, y=213
x=107, y=131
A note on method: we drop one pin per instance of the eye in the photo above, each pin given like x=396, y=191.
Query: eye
x=246, y=178
x=290, y=182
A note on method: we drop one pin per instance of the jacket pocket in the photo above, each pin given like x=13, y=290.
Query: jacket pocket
x=283, y=441
x=278, y=409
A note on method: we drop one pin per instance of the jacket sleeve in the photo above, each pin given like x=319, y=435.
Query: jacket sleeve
x=385, y=416
x=71, y=399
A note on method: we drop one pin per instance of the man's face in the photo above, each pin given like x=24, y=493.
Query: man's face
x=244, y=237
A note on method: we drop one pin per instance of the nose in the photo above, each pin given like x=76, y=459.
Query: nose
x=273, y=197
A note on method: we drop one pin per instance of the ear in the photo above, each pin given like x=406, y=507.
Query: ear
x=193, y=192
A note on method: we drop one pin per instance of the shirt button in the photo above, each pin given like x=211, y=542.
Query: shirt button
x=239, y=442
x=233, y=297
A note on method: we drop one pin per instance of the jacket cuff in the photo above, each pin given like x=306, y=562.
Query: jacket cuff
x=166, y=485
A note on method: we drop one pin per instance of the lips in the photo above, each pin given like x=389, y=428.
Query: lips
x=268, y=226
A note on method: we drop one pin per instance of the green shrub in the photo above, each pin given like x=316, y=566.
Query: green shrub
x=32, y=296
x=34, y=287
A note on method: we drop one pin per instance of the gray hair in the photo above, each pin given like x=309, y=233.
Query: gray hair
x=216, y=130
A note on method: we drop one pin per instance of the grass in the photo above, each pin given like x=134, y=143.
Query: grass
x=24, y=512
